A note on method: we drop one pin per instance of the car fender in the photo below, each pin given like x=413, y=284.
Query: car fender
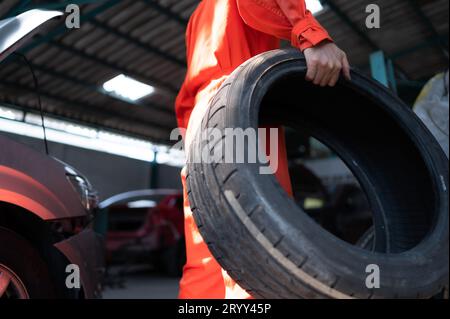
x=36, y=182
x=21, y=190
x=86, y=251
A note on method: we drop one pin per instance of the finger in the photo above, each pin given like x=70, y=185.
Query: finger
x=335, y=77
x=327, y=76
x=312, y=71
x=321, y=72
x=346, y=68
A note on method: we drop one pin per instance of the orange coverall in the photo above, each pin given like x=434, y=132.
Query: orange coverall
x=221, y=35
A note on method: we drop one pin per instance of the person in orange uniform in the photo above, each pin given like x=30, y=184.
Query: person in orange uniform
x=221, y=35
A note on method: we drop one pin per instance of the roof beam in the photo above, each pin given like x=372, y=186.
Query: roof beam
x=335, y=8
x=90, y=16
x=161, y=111
x=59, y=5
x=167, y=12
x=94, y=125
x=85, y=108
x=354, y=27
x=429, y=25
x=146, y=47
x=162, y=115
x=17, y=9
x=143, y=78
x=62, y=29
x=426, y=44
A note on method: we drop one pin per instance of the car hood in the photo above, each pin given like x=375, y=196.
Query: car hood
x=16, y=31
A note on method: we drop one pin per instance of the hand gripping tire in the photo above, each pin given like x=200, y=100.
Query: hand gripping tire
x=268, y=244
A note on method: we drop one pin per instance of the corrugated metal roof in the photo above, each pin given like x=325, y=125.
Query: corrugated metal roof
x=145, y=39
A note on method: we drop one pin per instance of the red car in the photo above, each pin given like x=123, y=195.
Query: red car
x=146, y=226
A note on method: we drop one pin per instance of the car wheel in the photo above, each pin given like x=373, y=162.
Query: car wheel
x=23, y=272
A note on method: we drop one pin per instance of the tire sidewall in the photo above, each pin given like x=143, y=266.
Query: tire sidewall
x=25, y=261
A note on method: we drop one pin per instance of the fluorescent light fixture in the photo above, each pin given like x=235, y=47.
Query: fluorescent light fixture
x=172, y=157
x=61, y=126
x=11, y=114
x=95, y=144
x=127, y=88
x=68, y=133
x=314, y=6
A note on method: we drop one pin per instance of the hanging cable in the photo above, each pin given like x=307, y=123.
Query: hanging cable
x=38, y=93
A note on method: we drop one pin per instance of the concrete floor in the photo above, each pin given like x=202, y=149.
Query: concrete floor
x=139, y=282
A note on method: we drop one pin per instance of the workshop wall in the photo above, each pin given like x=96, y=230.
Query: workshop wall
x=109, y=174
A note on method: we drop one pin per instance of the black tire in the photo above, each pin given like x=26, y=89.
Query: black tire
x=25, y=261
x=265, y=241
x=367, y=240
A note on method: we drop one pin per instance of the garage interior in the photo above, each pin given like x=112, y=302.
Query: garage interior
x=123, y=144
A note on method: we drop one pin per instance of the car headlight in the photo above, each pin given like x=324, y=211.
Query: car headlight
x=88, y=197
x=82, y=188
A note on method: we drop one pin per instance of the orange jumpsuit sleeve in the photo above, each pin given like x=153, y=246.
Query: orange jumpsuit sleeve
x=284, y=19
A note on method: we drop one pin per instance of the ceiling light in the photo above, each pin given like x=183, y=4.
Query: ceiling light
x=68, y=133
x=91, y=143
x=127, y=88
x=11, y=114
